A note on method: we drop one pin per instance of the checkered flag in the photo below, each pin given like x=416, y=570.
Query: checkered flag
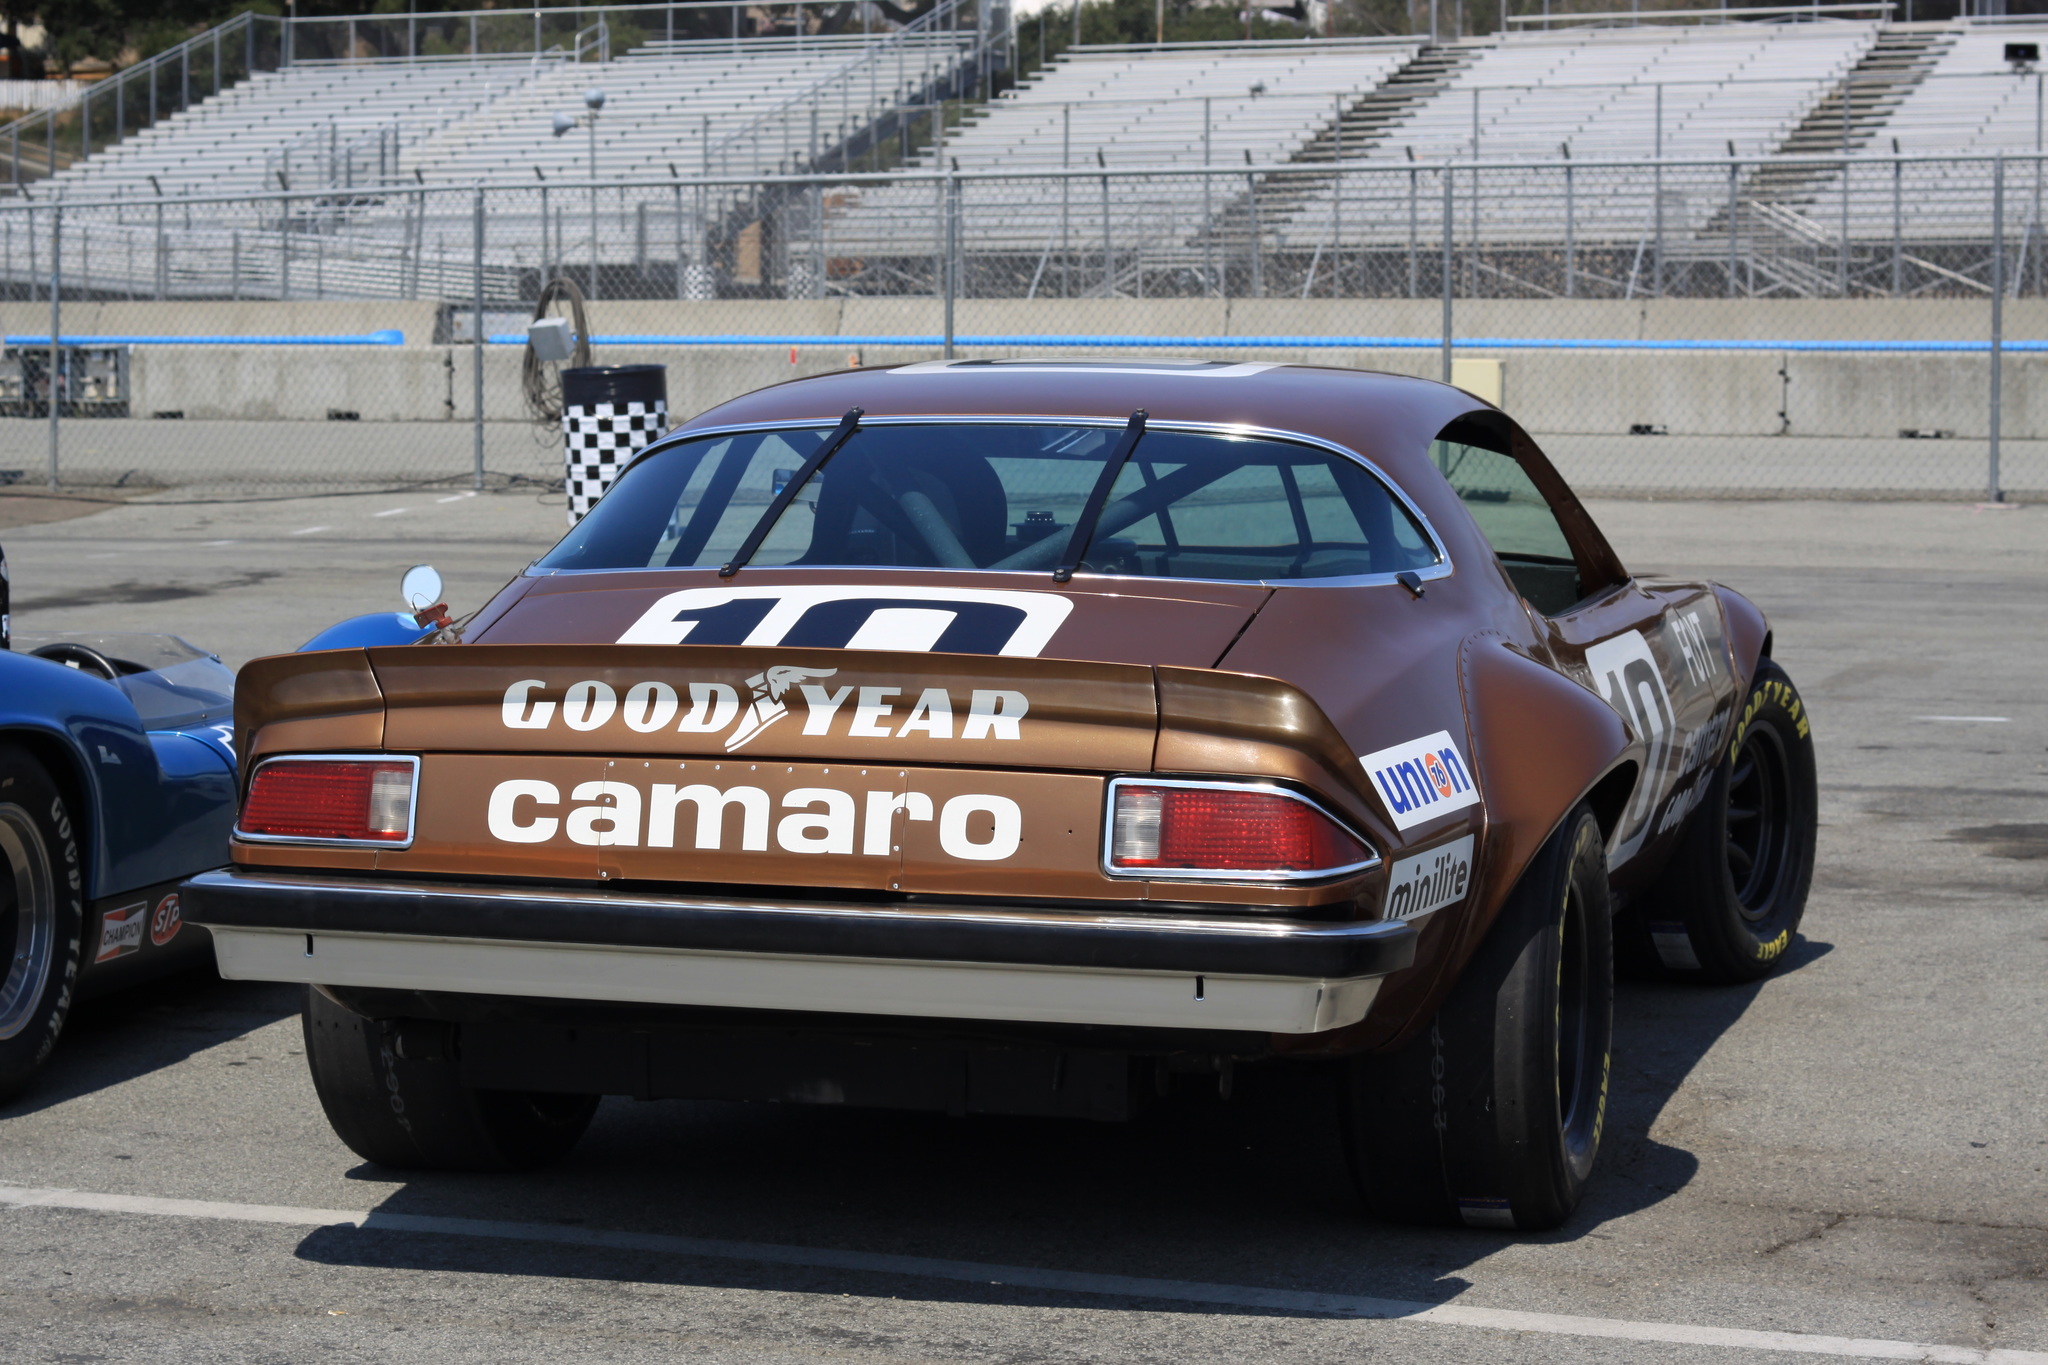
x=598, y=440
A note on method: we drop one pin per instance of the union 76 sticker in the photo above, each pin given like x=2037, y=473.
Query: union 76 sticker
x=1422, y=779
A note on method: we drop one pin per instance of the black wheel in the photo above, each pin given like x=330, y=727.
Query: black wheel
x=1727, y=904
x=1492, y=1116
x=42, y=915
x=415, y=1113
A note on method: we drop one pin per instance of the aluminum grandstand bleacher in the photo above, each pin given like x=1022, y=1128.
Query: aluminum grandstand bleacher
x=1236, y=167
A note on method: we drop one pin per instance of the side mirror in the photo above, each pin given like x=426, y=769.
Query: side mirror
x=421, y=587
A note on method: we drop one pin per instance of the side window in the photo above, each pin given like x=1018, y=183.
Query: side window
x=1516, y=521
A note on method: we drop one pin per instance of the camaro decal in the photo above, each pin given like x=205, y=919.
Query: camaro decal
x=876, y=713
x=1430, y=880
x=949, y=620
x=1421, y=779
x=824, y=819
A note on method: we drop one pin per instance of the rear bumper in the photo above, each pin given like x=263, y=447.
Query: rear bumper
x=980, y=962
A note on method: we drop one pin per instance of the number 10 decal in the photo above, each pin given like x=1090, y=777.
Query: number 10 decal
x=1629, y=680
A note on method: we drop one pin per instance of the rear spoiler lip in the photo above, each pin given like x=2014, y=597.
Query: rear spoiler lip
x=1215, y=945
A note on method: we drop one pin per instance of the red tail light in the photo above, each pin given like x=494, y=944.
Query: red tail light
x=352, y=800
x=1225, y=830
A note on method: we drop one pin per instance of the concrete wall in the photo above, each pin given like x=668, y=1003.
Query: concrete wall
x=1752, y=393
x=1745, y=393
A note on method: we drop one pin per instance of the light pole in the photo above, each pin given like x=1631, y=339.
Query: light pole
x=593, y=101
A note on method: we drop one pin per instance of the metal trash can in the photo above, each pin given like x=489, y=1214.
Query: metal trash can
x=608, y=413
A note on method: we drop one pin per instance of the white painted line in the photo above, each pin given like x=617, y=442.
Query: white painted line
x=309, y=530
x=218, y=542
x=457, y=497
x=1029, y=1277
x=1970, y=720
x=393, y=512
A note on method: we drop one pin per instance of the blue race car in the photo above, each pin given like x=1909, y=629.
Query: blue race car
x=117, y=781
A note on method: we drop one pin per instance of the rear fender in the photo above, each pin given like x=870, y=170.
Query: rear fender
x=1541, y=744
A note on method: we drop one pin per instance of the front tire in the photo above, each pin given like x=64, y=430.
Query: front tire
x=42, y=916
x=1492, y=1116
x=415, y=1113
x=1726, y=906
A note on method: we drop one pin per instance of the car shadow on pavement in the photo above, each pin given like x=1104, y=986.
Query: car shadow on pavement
x=1251, y=1190
x=130, y=1033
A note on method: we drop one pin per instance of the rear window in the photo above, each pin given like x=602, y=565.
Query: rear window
x=1004, y=497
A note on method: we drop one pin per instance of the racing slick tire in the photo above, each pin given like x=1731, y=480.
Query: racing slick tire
x=1491, y=1117
x=42, y=916
x=414, y=1113
x=1727, y=904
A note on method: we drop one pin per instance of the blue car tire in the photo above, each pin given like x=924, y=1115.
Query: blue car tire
x=42, y=915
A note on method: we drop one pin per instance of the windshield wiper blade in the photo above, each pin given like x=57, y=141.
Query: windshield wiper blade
x=783, y=499
x=1091, y=511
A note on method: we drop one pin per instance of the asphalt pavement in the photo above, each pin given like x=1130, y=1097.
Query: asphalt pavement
x=1846, y=1160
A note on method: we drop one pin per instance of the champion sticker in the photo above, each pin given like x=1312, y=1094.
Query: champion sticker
x=121, y=931
x=1422, y=779
x=166, y=921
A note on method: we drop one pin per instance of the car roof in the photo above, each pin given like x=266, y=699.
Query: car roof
x=1389, y=419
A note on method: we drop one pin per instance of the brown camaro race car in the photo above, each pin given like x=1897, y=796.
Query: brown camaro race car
x=1013, y=736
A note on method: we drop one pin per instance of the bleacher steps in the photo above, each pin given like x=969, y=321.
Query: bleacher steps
x=1358, y=132
x=1852, y=113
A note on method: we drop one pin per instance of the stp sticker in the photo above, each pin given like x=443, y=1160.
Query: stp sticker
x=1430, y=880
x=1422, y=779
x=165, y=923
x=121, y=931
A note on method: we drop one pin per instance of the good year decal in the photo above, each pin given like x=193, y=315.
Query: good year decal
x=711, y=707
x=821, y=820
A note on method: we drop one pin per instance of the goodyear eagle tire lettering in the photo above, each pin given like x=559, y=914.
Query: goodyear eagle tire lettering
x=1492, y=1118
x=415, y=1114
x=1729, y=902
x=42, y=916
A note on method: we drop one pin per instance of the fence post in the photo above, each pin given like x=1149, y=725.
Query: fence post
x=159, y=272
x=1251, y=195
x=56, y=324
x=1992, y=492
x=950, y=187
x=477, y=341
x=1734, y=212
x=1898, y=221
x=1450, y=208
x=1571, y=242
x=1108, y=254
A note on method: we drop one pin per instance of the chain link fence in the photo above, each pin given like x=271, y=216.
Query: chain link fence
x=1663, y=328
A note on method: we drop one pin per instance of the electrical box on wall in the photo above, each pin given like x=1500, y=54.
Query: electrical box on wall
x=1482, y=378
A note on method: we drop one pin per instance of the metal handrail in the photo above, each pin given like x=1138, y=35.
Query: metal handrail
x=924, y=27
x=138, y=74
x=599, y=35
